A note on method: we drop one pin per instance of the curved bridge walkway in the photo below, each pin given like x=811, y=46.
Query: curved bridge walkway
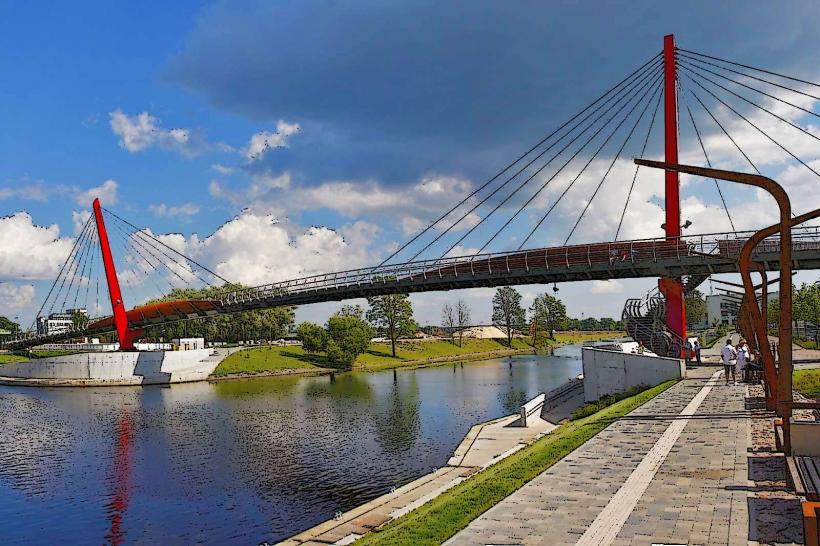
x=674, y=471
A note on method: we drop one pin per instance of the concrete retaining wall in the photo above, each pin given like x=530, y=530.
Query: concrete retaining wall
x=114, y=368
x=610, y=372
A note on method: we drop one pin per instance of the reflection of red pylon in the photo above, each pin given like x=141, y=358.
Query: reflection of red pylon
x=121, y=477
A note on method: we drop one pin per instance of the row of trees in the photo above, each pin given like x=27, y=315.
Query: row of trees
x=805, y=305
x=251, y=325
x=546, y=315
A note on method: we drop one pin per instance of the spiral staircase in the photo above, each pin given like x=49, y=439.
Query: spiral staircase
x=645, y=320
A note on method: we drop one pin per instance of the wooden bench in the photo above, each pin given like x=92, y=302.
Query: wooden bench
x=804, y=476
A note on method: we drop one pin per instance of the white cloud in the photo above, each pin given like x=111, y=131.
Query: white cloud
x=222, y=169
x=79, y=218
x=142, y=131
x=29, y=251
x=263, y=141
x=256, y=249
x=185, y=209
x=106, y=192
x=606, y=287
x=15, y=296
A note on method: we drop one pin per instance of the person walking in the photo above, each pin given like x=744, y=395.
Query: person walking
x=729, y=356
x=697, y=352
x=742, y=358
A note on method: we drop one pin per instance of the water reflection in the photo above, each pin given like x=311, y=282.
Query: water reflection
x=237, y=461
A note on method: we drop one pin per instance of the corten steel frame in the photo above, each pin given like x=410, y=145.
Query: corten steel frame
x=784, y=376
x=672, y=287
x=759, y=320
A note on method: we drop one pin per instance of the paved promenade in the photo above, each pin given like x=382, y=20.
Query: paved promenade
x=674, y=471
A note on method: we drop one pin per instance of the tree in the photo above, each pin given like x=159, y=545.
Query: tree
x=548, y=314
x=8, y=324
x=351, y=311
x=393, y=315
x=79, y=320
x=348, y=337
x=313, y=337
x=462, y=319
x=806, y=303
x=695, y=308
x=507, y=311
x=448, y=320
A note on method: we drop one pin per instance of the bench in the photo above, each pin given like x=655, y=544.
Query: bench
x=804, y=476
x=532, y=409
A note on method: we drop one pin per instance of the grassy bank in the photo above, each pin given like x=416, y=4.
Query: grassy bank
x=442, y=517
x=272, y=360
x=9, y=358
x=807, y=382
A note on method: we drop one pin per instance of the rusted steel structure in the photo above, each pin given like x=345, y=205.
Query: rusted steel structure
x=783, y=377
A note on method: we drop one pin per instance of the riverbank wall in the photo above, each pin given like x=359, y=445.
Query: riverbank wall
x=113, y=368
x=610, y=372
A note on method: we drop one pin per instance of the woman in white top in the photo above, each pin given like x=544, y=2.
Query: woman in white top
x=742, y=356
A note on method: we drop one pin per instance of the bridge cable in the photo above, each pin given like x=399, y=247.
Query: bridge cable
x=74, y=252
x=702, y=77
x=750, y=76
x=694, y=67
x=708, y=162
x=143, y=243
x=637, y=167
x=129, y=243
x=154, y=239
x=517, y=160
x=566, y=190
x=725, y=132
x=647, y=86
x=620, y=95
x=750, y=67
x=94, y=241
x=89, y=255
x=627, y=97
x=761, y=131
x=612, y=164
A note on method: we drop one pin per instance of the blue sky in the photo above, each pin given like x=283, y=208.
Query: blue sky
x=377, y=117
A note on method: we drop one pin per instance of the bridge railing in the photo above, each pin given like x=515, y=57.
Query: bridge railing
x=720, y=245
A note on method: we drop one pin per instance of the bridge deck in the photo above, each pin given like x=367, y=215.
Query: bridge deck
x=699, y=255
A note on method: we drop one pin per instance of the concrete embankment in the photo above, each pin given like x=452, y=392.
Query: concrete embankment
x=113, y=368
x=484, y=445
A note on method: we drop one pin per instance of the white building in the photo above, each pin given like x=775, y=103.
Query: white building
x=58, y=322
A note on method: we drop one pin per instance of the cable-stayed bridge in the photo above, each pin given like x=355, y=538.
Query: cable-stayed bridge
x=713, y=95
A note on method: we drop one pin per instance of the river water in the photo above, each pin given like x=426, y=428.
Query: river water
x=239, y=462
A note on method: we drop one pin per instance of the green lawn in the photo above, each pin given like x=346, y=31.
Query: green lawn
x=807, y=382
x=269, y=359
x=8, y=359
x=444, y=516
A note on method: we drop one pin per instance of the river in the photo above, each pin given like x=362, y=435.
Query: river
x=239, y=461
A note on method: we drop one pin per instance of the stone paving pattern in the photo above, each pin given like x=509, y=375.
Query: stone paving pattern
x=698, y=496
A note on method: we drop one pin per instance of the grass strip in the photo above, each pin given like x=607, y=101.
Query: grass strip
x=807, y=382
x=442, y=517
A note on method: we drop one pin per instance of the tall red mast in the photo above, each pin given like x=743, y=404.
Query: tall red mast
x=672, y=288
x=117, y=305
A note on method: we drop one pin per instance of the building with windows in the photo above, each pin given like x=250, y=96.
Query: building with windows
x=58, y=322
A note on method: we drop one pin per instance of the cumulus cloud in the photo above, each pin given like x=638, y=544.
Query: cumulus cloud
x=606, y=287
x=30, y=251
x=183, y=210
x=142, y=131
x=257, y=249
x=263, y=141
x=15, y=296
x=106, y=192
